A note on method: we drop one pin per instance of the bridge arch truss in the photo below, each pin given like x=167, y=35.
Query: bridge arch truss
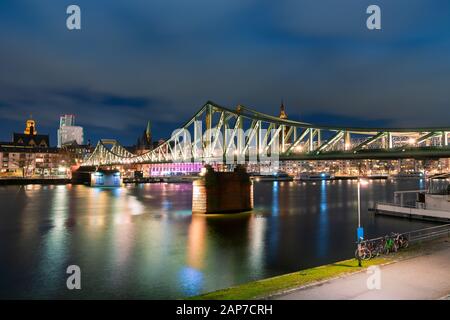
x=217, y=133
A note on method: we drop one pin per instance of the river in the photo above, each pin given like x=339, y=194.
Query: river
x=142, y=242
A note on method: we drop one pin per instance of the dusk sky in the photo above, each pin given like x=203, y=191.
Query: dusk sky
x=140, y=60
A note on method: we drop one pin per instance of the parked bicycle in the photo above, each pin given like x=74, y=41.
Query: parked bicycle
x=368, y=249
x=401, y=241
x=389, y=245
x=362, y=251
x=376, y=247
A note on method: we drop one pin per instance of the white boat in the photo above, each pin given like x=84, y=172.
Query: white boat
x=432, y=204
x=315, y=176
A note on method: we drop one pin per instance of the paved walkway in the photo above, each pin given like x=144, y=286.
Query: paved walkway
x=423, y=277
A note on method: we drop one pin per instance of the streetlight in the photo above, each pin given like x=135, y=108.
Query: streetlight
x=360, y=231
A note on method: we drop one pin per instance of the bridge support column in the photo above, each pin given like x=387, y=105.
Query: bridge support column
x=311, y=139
x=347, y=141
x=208, y=122
x=222, y=192
x=197, y=147
x=319, y=138
x=240, y=141
x=390, y=141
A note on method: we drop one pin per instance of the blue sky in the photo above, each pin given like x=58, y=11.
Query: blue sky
x=140, y=60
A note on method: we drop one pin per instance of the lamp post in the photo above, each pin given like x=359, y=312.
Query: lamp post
x=359, y=230
x=359, y=203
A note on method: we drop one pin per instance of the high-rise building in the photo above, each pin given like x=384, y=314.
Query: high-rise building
x=68, y=132
x=67, y=120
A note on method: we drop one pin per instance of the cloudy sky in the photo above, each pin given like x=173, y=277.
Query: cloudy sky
x=139, y=60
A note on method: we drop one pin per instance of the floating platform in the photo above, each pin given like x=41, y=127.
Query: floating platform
x=106, y=178
x=411, y=212
x=98, y=178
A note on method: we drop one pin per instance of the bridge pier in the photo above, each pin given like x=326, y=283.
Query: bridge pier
x=97, y=178
x=222, y=192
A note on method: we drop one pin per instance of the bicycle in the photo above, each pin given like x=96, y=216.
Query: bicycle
x=362, y=252
x=401, y=241
x=376, y=248
x=389, y=245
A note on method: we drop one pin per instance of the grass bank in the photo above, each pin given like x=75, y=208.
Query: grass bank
x=270, y=286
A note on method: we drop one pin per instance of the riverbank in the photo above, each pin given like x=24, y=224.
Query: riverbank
x=282, y=286
x=25, y=181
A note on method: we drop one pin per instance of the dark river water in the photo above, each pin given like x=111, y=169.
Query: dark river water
x=142, y=242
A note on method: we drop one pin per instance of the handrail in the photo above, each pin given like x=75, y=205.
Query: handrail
x=395, y=205
x=427, y=233
x=417, y=235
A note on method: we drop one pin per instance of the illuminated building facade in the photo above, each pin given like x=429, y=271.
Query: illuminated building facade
x=30, y=138
x=29, y=155
x=165, y=169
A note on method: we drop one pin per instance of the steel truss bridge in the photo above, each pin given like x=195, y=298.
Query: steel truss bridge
x=219, y=134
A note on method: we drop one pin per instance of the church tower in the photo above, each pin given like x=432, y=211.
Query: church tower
x=148, y=133
x=283, y=114
x=30, y=128
x=145, y=141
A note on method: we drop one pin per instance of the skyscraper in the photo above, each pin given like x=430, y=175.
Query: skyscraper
x=67, y=120
x=69, y=133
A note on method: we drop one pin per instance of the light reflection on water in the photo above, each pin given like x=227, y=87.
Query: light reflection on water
x=142, y=241
x=322, y=239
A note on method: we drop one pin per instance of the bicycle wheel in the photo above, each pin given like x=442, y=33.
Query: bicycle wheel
x=356, y=254
x=394, y=248
x=405, y=243
x=365, y=254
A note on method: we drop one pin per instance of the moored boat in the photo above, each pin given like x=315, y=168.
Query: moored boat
x=315, y=176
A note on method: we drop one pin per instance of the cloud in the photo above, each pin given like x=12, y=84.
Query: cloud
x=85, y=96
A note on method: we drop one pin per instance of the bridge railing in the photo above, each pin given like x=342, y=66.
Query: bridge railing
x=428, y=233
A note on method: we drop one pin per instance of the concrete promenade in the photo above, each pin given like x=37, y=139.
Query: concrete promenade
x=421, y=277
